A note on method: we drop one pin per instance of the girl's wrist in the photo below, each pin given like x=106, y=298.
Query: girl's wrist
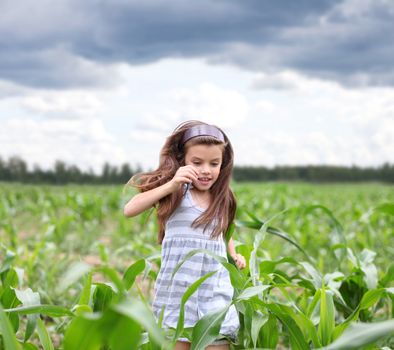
x=171, y=186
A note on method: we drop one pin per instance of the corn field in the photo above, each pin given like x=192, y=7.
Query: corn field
x=76, y=274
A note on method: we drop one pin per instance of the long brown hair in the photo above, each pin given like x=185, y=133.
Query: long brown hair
x=172, y=156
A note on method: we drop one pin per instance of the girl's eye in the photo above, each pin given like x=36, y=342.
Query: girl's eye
x=215, y=164
x=196, y=163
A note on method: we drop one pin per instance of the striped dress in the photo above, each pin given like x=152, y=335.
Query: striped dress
x=180, y=238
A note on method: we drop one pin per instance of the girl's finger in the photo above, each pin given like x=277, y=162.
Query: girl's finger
x=193, y=169
x=188, y=173
x=241, y=262
x=193, y=177
x=185, y=179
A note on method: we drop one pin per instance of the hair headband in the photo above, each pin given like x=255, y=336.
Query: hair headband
x=202, y=130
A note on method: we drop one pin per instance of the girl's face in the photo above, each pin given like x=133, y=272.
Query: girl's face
x=207, y=160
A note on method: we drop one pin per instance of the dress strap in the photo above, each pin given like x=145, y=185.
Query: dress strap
x=186, y=188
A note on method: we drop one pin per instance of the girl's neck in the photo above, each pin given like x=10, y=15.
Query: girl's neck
x=202, y=198
x=198, y=192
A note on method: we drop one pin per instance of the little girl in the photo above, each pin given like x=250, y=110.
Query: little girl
x=195, y=207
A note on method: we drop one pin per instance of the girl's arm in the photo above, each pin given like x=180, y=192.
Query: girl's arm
x=231, y=248
x=145, y=200
x=238, y=258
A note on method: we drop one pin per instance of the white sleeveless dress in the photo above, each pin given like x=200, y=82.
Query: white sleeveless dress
x=180, y=238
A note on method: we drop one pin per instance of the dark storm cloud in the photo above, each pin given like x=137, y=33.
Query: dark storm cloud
x=72, y=43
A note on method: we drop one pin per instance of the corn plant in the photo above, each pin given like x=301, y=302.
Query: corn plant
x=317, y=278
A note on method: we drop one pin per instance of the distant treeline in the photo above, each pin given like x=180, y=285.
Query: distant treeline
x=316, y=173
x=16, y=169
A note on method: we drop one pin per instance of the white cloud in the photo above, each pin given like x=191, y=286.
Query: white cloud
x=280, y=148
x=306, y=121
x=64, y=104
x=211, y=103
x=318, y=122
x=359, y=8
x=10, y=89
x=313, y=122
x=207, y=102
x=85, y=144
x=285, y=80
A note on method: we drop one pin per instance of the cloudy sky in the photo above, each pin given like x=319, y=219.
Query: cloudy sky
x=290, y=82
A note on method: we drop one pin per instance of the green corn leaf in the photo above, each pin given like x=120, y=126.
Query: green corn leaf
x=229, y=232
x=45, y=339
x=103, y=253
x=9, y=300
x=83, y=333
x=315, y=274
x=314, y=302
x=50, y=310
x=132, y=272
x=72, y=275
x=258, y=320
x=285, y=236
x=337, y=235
x=12, y=279
x=139, y=312
x=368, y=268
x=29, y=298
x=268, y=266
x=85, y=295
x=189, y=292
x=81, y=309
x=29, y=346
x=308, y=328
x=259, y=225
x=7, y=332
x=361, y=334
x=7, y=260
x=114, y=277
x=369, y=298
x=262, y=231
x=238, y=280
x=251, y=292
x=327, y=317
x=102, y=296
x=247, y=310
x=124, y=333
x=386, y=208
x=248, y=224
x=270, y=333
x=389, y=276
x=297, y=339
x=253, y=262
x=207, y=329
x=389, y=290
x=304, y=324
x=109, y=329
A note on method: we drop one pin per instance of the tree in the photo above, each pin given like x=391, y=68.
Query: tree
x=17, y=168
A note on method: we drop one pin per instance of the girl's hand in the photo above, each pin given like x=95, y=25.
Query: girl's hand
x=239, y=261
x=145, y=200
x=185, y=174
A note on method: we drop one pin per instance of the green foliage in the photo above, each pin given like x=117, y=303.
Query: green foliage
x=76, y=274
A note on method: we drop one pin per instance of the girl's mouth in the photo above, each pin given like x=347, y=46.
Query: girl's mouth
x=204, y=180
